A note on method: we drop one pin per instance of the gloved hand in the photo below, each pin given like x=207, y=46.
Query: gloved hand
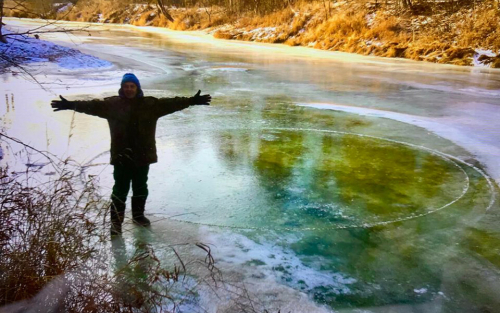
x=201, y=100
x=62, y=104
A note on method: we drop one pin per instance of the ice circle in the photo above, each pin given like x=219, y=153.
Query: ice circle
x=304, y=179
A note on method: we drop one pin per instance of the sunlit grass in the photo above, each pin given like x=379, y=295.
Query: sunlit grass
x=439, y=35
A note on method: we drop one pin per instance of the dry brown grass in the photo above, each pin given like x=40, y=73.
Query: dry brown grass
x=278, y=18
x=481, y=28
x=145, y=18
x=447, y=38
x=185, y=20
x=56, y=253
x=18, y=9
x=160, y=21
x=444, y=36
x=48, y=229
x=386, y=29
x=223, y=35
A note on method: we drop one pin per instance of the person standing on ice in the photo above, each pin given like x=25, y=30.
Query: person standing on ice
x=132, y=121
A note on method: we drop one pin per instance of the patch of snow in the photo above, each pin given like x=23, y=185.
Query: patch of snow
x=262, y=32
x=486, y=52
x=83, y=61
x=229, y=69
x=64, y=8
x=440, y=293
x=373, y=43
x=369, y=19
x=480, y=52
x=478, y=63
x=420, y=291
x=30, y=50
x=273, y=262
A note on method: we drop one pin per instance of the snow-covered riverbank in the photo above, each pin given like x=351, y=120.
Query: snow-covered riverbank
x=24, y=50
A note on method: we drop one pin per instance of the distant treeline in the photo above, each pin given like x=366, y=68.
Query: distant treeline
x=256, y=6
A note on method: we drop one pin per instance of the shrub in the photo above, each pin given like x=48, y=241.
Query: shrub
x=54, y=242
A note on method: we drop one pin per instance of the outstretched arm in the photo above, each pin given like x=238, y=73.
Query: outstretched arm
x=92, y=107
x=170, y=105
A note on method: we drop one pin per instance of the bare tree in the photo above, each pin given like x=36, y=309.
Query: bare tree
x=161, y=7
x=407, y=4
x=31, y=8
x=327, y=8
x=2, y=38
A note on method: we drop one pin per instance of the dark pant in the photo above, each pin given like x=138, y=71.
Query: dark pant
x=123, y=175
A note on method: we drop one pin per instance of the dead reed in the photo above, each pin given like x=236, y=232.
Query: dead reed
x=57, y=254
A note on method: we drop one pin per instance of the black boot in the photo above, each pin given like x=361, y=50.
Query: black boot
x=138, y=206
x=117, y=213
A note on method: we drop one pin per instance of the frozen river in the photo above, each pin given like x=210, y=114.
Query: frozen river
x=324, y=181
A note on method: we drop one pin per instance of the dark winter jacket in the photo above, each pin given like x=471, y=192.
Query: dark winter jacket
x=132, y=124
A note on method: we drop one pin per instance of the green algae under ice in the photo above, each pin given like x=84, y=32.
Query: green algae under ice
x=302, y=179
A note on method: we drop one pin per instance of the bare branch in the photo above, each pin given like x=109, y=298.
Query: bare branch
x=43, y=153
x=25, y=71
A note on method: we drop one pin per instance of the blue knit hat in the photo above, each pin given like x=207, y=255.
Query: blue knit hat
x=131, y=78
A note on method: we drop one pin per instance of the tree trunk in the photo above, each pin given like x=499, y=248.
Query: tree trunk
x=327, y=10
x=163, y=10
x=2, y=38
x=407, y=4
